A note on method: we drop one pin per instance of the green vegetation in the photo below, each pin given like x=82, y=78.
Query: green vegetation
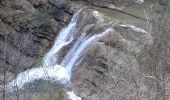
x=43, y=90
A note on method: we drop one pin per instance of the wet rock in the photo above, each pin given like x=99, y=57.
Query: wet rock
x=27, y=30
x=110, y=69
x=114, y=68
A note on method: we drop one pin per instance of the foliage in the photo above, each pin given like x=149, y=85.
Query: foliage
x=44, y=86
x=43, y=90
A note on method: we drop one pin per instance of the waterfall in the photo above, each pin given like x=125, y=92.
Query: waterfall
x=50, y=70
x=78, y=49
x=65, y=37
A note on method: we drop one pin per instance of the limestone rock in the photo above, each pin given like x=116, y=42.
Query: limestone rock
x=27, y=31
x=110, y=70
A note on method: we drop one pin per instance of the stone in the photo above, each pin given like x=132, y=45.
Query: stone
x=28, y=28
x=110, y=69
x=59, y=3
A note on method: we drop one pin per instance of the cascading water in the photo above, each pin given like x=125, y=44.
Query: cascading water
x=65, y=37
x=49, y=68
x=60, y=72
x=78, y=48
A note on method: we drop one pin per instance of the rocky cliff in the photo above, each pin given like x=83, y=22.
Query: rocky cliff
x=27, y=31
x=130, y=63
x=110, y=69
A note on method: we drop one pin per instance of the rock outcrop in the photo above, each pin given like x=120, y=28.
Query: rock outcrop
x=130, y=63
x=110, y=69
x=28, y=28
x=27, y=31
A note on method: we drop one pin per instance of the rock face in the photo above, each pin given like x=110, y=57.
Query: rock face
x=121, y=65
x=110, y=70
x=27, y=30
x=131, y=63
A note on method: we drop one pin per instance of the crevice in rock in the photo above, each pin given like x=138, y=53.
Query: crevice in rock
x=68, y=12
x=102, y=58
x=91, y=82
x=41, y=36
x=5, y=22
x=60, y=21
x=100, y=72
x=2, y=37
x=104, y=66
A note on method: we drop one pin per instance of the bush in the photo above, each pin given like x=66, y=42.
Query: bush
x=43, y=90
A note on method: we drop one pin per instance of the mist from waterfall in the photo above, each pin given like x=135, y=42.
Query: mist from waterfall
x=50, y=69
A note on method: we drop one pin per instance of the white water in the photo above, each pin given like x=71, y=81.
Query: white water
x=139, y=1
x=65, y=37
x=50, y=70
x=134, y=28
x=77, y=50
